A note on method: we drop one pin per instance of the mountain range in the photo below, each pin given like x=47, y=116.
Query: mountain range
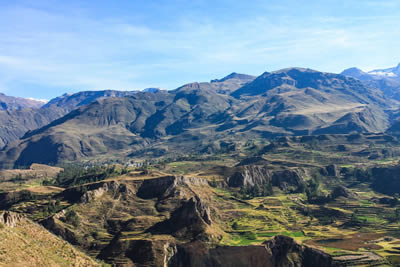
x=387, y=80
x=197, y=117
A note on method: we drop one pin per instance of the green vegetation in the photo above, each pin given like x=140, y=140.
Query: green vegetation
x=249, y=192
x=73, y=175
x=72, y=218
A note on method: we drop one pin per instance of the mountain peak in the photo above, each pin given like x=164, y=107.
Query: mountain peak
x=152, y=90
x=300, y=69
x=353, y=72
x=353, y=69
x=235, y=75
x=357, y=73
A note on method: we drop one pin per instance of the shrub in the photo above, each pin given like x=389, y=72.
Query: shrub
x=250, y=235
x=72, y=217
x=235, y=226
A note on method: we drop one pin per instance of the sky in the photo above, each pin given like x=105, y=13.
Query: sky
x=49, y=47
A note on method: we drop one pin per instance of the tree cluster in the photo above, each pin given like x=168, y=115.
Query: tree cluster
x=249, y=192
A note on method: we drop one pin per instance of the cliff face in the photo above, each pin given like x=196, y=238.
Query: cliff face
x=190, y=221
x=250, y=175
x=281, y=251
x=285, y=252
x=290, y=180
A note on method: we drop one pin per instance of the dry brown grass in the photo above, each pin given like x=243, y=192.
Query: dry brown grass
x=351, y=242
x=45, y=189
x=36, y=170
x=29, y=244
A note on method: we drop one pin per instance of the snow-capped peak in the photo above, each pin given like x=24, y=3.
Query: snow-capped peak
x=390, y=72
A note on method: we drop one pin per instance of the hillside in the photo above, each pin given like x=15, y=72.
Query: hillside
x=24, y=243
x=23, y=115
x=205, y=117
x=15, y=123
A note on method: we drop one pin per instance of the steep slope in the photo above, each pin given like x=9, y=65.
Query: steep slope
x=24, y=243
x=201, y=117
x=18, y=115
x=15, y=123
x=23, y=115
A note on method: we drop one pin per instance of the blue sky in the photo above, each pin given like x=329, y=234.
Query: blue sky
x=50, y=47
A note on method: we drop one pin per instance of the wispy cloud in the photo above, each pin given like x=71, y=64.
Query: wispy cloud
x=72, y=49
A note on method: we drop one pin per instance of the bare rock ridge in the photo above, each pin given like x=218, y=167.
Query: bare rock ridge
x=289, y=180
x=9, y=218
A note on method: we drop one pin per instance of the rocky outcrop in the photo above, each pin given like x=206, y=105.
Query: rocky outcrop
x=341, y=191
x=250, y=175
x=289, y=180
x=281, y=251
x=90, y=192
x=332, y=170
x=10, y=218
x=164, y=186
x=284, y=251
x=386, y=179
x=137, y=252
x=190, y=221
x=113, y=187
